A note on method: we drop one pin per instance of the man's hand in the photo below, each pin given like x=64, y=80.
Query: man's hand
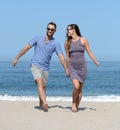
x=67, y=73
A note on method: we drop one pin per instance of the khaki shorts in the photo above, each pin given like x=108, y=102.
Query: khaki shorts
x=39, y=73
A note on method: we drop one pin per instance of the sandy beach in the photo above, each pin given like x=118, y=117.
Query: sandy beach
x=19, y=115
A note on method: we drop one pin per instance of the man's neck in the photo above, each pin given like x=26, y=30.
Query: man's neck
x=47, y=38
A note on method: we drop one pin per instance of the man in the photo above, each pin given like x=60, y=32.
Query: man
x=44, y=47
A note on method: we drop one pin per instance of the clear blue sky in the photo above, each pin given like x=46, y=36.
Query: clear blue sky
x=99, y=22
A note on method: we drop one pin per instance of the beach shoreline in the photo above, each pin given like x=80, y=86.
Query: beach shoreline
x=26, y=115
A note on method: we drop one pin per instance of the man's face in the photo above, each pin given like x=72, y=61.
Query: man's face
x=50, y=30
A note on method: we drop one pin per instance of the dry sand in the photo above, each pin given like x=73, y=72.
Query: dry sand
x=18, y=115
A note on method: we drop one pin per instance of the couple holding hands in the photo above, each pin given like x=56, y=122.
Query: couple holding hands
x=74, y=65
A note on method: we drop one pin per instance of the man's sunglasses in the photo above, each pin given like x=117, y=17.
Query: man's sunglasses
x=50, y=29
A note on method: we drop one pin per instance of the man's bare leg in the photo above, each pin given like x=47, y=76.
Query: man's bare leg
x=42, y=93
x=40, y=100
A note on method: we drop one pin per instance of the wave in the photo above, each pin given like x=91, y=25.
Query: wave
x=105, y=98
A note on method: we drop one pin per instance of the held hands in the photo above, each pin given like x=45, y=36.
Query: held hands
x=67, y=73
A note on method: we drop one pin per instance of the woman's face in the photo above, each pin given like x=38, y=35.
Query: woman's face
x=70, y=31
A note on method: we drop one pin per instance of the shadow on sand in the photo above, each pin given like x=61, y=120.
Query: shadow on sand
x=65, y=108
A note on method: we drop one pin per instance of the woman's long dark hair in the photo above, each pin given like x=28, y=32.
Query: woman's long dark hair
x=72, y=26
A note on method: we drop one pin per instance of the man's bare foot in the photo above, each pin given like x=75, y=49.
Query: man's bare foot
x=45, y=107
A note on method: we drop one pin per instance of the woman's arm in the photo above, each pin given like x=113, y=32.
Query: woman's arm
x=91, y=55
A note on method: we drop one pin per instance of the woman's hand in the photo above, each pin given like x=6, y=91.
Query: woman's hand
x=15, y=61
x=97, y=63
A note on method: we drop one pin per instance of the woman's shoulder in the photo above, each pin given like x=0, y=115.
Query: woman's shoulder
x=65, y=42
x=83, y=40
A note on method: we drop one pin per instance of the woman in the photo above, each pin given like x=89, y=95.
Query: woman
x=75, y=46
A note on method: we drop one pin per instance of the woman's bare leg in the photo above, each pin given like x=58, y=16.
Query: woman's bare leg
x=80, y=96
x=75, y=94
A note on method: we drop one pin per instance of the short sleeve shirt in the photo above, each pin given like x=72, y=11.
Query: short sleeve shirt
x=43, y=51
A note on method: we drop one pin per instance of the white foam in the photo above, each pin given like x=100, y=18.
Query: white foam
x=105, y=98
x=18, y=98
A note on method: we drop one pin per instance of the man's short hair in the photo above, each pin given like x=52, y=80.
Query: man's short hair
x=52, y=23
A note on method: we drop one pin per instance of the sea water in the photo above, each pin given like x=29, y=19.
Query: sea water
x=101, y=84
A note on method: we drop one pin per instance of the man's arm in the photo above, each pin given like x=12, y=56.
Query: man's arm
x=62, y=60
x=22, y=52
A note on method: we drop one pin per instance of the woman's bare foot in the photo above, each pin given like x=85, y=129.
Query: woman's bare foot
x=74, y=109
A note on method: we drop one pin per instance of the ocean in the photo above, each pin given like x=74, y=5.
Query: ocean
x=101, y=85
